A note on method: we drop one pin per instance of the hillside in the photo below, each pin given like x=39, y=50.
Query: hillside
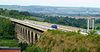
x=50, y=19
x=58, y=41
x=55, y=10
x=7, y=37
x=51, y=40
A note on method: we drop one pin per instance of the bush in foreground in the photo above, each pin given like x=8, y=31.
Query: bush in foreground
x=59, y=41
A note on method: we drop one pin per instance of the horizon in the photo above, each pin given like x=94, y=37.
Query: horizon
x=49, y=6
x=54, y=3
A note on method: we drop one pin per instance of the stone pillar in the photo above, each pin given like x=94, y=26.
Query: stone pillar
x=22, y=30
x=93, y=24
x=24, y=33
x=38, y=36
x=33, y=37
x=27, y=36
x=88, y=25
x=17, y=29
x=30, y=37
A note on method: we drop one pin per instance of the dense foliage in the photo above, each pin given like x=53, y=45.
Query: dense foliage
x=67, y=21
x=6, y=29
x=16, y=14
x=46, y=18
x=58, y=41
x=7, y=35
x=36, y=49
x=50, y=41
x=8, y=43
x=98, y=24
x=98, y=21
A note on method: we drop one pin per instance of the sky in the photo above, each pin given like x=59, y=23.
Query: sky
x=61, y=3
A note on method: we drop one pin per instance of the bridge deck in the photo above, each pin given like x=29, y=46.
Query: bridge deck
x=44, y=25
x=32, y=25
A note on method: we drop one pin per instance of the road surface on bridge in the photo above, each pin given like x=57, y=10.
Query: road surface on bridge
x=44, y=26
x=60, y=27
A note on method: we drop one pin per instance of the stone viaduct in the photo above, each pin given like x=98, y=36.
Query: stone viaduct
x=26, y=32
x=30, y=32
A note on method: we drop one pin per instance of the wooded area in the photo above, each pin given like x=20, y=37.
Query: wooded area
x=51, y=19
x=52, y=40
x=7, y=34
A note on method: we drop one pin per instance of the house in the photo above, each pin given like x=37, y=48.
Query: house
x=7, y=49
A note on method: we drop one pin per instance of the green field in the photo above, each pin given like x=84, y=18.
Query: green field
x=8, y=43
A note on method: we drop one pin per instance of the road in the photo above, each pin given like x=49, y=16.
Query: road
x=45, y=26
x=48, y=25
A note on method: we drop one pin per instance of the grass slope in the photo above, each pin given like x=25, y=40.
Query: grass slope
x=59, y=41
